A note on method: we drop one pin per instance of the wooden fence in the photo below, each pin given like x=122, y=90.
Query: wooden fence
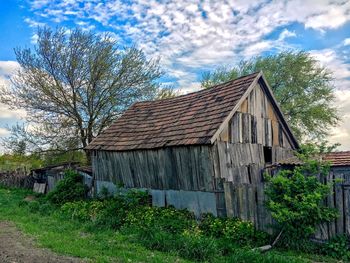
x=340, y=199
x=247, y=201
x=18, y=178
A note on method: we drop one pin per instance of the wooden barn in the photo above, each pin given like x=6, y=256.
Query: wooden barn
x=205, y=151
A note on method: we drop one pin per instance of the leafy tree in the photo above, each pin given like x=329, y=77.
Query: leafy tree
x=19, y=147
x=74, y=84
x=296, y=197
x=167, y=93
x=300, y=84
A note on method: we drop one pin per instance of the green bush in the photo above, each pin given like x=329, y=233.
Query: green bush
x=70, y=188
x=296, y=200
x=337, y=247
x=188, y=245
x=168, y=219
x=233, y=230
x=83, y=210
x=33, y=206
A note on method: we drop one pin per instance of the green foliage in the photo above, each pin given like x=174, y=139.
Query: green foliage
x=110, y=213
x=296, y=198
x=9, y=162
x=337, y=247
x=233, y=230
x=52, y=158
x=166, y=219
x=165, y=228
x=303, y=88
x=63, y=234
x=186, y=245
x=70, y=188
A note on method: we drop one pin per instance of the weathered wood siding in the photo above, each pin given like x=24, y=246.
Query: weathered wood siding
x=177, y=168
x=239, y=159
x=256, y=122
x=179, y=176
x=340, y=199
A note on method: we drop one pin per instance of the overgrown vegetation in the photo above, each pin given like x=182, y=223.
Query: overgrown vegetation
x=69, y=233
x=296, y=199
x=163, y=229
x=70, y=188
x=126, y=221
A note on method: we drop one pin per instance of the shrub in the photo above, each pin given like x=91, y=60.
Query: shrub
x=167, y=219
x=233, y=230
x=70, y=188
x=33, y=206
x=295, y=199
x=83, y=210
x=337, y=247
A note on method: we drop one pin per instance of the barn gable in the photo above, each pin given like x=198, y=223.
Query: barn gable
x=257, y=119
x=194, y=119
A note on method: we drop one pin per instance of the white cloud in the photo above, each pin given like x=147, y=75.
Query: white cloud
x=34, y=39
x=33, y=23
x=346, y=42
x=341, y=70
x=7, y=69
x=4, y=132
x=194, y=86
x=341, y=134
x=286, y=34
x=190, y=34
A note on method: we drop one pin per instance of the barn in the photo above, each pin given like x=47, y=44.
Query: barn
x=205, y=151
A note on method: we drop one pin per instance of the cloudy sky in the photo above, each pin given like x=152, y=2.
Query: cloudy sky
x=192, y=37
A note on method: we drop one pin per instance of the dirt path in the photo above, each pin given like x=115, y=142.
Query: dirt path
x=18, y=248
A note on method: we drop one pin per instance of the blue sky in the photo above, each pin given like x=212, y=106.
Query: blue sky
x=192, y=37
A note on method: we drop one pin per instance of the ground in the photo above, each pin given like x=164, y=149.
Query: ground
x=40, y=236
x=15, y=247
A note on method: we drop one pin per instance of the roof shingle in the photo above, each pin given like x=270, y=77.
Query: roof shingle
x=184, y=120
x=338, y=158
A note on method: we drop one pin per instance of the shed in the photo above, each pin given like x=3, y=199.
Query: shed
x=204, y=151
x=46, y=178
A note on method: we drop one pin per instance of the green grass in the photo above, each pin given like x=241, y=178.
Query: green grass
x=72, y=238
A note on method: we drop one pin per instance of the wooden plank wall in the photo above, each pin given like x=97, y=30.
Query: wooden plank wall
x=340, y=200
x=241, y=166
x=256, y=121
x=177, y=168
x=240, y=159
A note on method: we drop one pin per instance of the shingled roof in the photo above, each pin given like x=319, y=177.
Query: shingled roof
x=338, y=158
x=334, y=158
x=190, y=119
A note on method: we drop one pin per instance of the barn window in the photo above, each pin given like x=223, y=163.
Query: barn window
x=268, y=154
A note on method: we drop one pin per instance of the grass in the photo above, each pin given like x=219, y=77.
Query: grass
x=73, y=238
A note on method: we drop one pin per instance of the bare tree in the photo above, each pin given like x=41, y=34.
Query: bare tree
x=74, y=84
